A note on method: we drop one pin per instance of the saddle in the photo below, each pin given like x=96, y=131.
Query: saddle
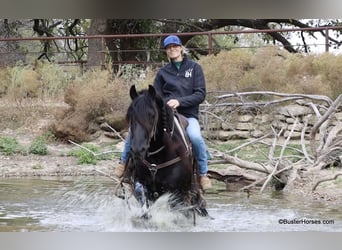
x=181, y=124
x=182, y=119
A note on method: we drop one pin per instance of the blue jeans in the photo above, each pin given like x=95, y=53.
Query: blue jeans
x=198, y=144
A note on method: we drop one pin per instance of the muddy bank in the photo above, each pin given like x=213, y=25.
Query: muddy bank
x=57, y=162
x=32, y=165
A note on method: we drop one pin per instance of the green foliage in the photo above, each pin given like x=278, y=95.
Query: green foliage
x=39, y=145
x=8, y=145
x=40, y=80
x=259, y=152
x=84, y=156
x=53, y=78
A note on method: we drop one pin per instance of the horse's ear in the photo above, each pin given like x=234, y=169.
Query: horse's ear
x=133, y=92
x=151, y=91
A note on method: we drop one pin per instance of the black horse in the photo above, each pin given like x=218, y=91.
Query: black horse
x=161, y=159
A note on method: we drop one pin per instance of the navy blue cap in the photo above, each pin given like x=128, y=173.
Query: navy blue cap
x=172, y=40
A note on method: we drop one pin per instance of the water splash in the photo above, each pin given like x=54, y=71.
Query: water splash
x=92, y=207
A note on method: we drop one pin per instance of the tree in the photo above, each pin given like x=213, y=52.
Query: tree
x=8, y=29
x=119, y=47
x=134, y=48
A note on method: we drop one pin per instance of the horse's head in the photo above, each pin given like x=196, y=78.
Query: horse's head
x=142, y=116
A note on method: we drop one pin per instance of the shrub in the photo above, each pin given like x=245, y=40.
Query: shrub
x=225, y=70
x=24, y=82
x=8, y=145
x=96, y=93
x=84, y=156
x=273, y=69
x=39, y=145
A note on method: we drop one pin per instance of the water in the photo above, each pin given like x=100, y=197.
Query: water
x=88, y=204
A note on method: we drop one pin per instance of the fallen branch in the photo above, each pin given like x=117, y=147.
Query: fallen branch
x=324, y=180
x=246, y=164
x=314, y=97
x=314, y=149
x=248, y=143
x=107, y=175
x=115, y=132
x=272, y=174
x=228, y=178
x=302, y=141
x=90, y=151
x=265, y=178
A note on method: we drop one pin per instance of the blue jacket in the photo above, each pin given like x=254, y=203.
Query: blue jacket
x=187, y=85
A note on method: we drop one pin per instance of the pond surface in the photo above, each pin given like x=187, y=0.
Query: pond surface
x=88, y=204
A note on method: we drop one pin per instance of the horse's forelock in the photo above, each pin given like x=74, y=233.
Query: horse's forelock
x=138, y=110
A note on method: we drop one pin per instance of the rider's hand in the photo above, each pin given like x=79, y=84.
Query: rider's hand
x=173, y=103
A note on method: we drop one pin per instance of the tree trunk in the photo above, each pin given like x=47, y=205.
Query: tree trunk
x=96, y=58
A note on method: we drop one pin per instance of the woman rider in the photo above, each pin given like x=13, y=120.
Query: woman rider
x=182, y=84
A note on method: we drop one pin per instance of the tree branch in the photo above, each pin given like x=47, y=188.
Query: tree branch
x=324, y=180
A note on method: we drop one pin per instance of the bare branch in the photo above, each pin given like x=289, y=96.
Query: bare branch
x=324, y=180
x=116, y=132
x=90, y=151
x=318, y=124
x=302, y=141
x=265, y=178
x=280, y=157
x=247, y=164
x=248, y=143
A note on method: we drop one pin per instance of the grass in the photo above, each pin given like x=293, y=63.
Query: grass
x=86, y=157
x=39, y=145
x=259, y=152
x=8, y=145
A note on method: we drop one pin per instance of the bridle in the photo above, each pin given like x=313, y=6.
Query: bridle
x=152, y=167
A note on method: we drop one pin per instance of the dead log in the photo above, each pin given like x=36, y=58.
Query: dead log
x=228, y=178
x=231, y=179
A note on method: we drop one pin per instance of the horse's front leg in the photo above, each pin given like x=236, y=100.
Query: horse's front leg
x=141, y=195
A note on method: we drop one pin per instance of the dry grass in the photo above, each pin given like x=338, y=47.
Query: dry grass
x=273, y=69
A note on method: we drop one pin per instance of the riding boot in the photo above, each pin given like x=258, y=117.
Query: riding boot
x=123, y=173
x=119, y=170
x=205, y=182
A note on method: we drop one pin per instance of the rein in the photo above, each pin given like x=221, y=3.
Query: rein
x=162, y=147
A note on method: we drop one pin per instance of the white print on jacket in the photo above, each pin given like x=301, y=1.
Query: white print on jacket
x=188, y=73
